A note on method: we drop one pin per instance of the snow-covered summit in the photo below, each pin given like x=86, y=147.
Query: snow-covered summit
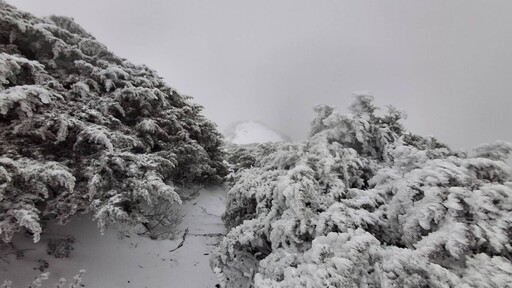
x=249, y=132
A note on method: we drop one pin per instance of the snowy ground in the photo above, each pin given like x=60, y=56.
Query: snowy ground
x=119, y=260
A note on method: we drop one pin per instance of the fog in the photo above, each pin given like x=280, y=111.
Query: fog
x=448, y=64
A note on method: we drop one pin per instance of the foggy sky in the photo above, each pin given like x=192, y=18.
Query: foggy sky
x=448, y=64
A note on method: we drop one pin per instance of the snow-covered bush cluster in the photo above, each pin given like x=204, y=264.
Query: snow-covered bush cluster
x=84, y=130
x=365, y=203
x=40, y=279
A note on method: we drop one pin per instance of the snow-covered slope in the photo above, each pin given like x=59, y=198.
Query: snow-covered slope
x=249, y=132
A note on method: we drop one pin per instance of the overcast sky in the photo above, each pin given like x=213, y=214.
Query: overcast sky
x=448, y=64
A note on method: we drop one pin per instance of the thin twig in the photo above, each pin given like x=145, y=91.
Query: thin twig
x=208, y=234
x=18, y=251
x=182, y=240
x=206, y=211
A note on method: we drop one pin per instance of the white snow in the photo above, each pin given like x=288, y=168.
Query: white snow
x=114, y=260
x=252, y=132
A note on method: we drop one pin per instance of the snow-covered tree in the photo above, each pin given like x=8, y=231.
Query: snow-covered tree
x=84, y=130
x=365, y=203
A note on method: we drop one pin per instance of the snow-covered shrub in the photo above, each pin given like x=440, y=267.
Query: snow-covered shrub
x=162, y=220
x=60, y=248
x=91, y=47
x=365, y=203
x=38, y=281
x=25, y=183
x=82, y=130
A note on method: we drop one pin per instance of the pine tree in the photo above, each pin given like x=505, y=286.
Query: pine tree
x=84, y=130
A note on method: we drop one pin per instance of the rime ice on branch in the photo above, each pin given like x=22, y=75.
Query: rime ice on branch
x=365, y=203
x=84, y=130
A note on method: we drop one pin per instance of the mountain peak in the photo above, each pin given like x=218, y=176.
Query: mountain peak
x=248, y=132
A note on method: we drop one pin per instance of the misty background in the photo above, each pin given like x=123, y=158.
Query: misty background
x=448, y=64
